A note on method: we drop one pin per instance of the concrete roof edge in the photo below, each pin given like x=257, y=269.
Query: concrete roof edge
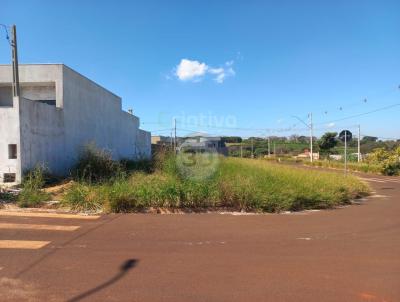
x=77, y=72
x=22, y=64
x=70, y=68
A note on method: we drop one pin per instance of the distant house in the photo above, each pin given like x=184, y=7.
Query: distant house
x=335, y=156
x=161, y=143
x=306, y=154
x=161, y=140
x=203, y=144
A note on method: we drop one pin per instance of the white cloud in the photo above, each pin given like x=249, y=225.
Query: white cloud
x=220, y=78
x=192, y=70
x=216, y=70
x=330, y=125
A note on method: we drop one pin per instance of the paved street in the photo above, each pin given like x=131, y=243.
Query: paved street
x=347, y=254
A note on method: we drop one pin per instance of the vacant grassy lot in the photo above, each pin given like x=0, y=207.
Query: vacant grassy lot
x=237, y=184
x=352, y=166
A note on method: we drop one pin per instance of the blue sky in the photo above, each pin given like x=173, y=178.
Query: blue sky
x=248, y=65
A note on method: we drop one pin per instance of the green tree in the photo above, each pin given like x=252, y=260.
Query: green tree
x=231, y=139
x=367, y=139
x=327, y=142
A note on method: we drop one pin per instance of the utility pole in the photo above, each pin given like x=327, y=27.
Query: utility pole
x=15, y=83
x=358, y=144
x=311, y=138
x=252, y=148
x=345, y=152
x=175, y=143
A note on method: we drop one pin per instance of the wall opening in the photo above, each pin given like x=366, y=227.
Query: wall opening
x=9, y=177
x=12, y=151
x=40, y=92
x=48, y=102
x=6, y=98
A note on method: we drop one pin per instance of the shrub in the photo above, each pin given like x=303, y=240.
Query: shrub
x=391, y=166
x=7, y=196
x=96, y=165
x=142, y=191
x=32, y=194
x=83, y=197
x=143, y=165
x=388, y=160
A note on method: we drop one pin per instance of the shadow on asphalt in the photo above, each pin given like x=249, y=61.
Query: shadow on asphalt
x=124, y=269
x=35, y=263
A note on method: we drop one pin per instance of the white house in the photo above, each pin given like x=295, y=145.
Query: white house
x=57, y=112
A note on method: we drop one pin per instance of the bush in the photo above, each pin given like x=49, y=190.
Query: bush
x=143, y=165
x=96, y=165
x=388, y=160
x=83, y=197
x=32, y=194
x=7, y=196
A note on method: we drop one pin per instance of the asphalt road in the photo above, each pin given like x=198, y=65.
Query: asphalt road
x=347, y=254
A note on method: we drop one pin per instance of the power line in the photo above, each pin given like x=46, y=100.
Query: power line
x=6, y=30
x=362, y=114
x=363, y=101
x=291, y=128
x=359, y=102
x=161, y=130
x=380, y=137
x=227, y=128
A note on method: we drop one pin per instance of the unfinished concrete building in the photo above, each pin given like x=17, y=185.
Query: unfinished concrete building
x=57, y=112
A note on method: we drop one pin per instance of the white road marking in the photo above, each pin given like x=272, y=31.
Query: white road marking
x=240, y=213
x=47, y=227
x=382, y=180
x=373, y=180
x=46, y=215
x=22, y=244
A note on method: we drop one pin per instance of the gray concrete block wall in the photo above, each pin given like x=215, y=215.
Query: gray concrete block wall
x=93, y=114
x=54, y=135
x=143, y=144
x=42, y=137
x=9, y=134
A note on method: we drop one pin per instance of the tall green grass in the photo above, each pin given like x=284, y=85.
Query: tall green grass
x=257, y=185
x=96, y=165
x=32, y=194
x=360, y=167
x=239, y=184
